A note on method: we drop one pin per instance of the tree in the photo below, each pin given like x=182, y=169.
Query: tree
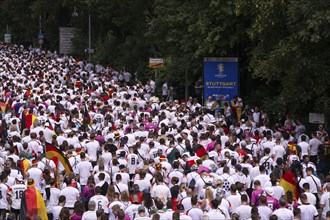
x=290, y=38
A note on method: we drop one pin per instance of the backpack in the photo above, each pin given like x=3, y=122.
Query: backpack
x=192, y=183
x=93, y=130
x=219, y=194
x=171, y=155
x=226, y=185
x=249, y=151
x=57, y=128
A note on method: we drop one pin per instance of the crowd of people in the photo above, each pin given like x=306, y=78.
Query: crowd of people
x=135, y=156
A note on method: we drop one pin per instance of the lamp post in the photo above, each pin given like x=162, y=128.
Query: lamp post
x=89, y=36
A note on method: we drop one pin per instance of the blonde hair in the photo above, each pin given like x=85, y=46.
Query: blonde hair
x=209, y=194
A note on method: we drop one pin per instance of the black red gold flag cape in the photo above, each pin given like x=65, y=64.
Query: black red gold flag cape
x=32, y=204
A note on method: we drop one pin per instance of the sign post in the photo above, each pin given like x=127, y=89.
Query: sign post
x=7, y=38
x=220, y=78
x=40, y=39
x=155, y=63
x=66, y=36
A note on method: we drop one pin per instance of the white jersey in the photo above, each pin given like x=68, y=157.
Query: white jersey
x=100, y=201
x=132, y=162
x=3, y=196
x=17, y=193
x=99, y=118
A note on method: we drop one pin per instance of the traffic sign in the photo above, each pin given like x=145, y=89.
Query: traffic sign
x=7, y=38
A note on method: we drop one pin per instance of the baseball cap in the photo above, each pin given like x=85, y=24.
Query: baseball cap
x=180, y=207
x=269, y=191
x=141, y=209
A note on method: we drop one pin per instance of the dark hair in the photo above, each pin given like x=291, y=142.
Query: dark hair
x=194, y=200
x=159, y=204
x=61, y=199
x=78, y=208
x=215, y=203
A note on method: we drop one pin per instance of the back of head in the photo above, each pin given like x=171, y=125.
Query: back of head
x=91, y=206
x=215, y=203
x=283, y=201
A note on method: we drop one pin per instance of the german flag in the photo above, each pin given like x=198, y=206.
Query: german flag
x=288, y=182
x=77, y=84
x=29, y=119
x=56, y=155
x=199, y=150
x=32, y=204
x=24, y=164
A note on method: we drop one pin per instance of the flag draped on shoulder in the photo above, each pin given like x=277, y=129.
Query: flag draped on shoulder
x=29, y=119
x=56, y=155
x=289, y=183
x=32, y=204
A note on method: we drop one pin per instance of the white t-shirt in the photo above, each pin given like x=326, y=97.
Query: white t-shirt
x=310, y=198
x=162, y=192
x=71, y=195
x=284, y=214
x=326, y=203
x=186, y=202
x=243, y=211
x=278, y=151
x=304, y=148
x=89, y=215
x=195, y=213
x=92, y=148
x=263, y=178
x=235, y=201
x=53, y=200
x=308, y=211
x=83, y=169
x=143, y=184
x=278, y=192
x=56, y=211
x=264, y=212
x=36, y=174
x=312, y=180
x=314, y=146
x=121, y=187
x=215, y=214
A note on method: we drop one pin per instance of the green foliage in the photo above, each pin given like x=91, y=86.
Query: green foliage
x=291, y=38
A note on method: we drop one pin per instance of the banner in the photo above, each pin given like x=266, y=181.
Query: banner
x=156, y=63
x=220, y=78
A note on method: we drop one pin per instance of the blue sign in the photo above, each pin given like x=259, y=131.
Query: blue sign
x=220, y=78
x=40, y=36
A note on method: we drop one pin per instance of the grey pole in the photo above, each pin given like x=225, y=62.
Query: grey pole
x=89, y=37
x=39, y=29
